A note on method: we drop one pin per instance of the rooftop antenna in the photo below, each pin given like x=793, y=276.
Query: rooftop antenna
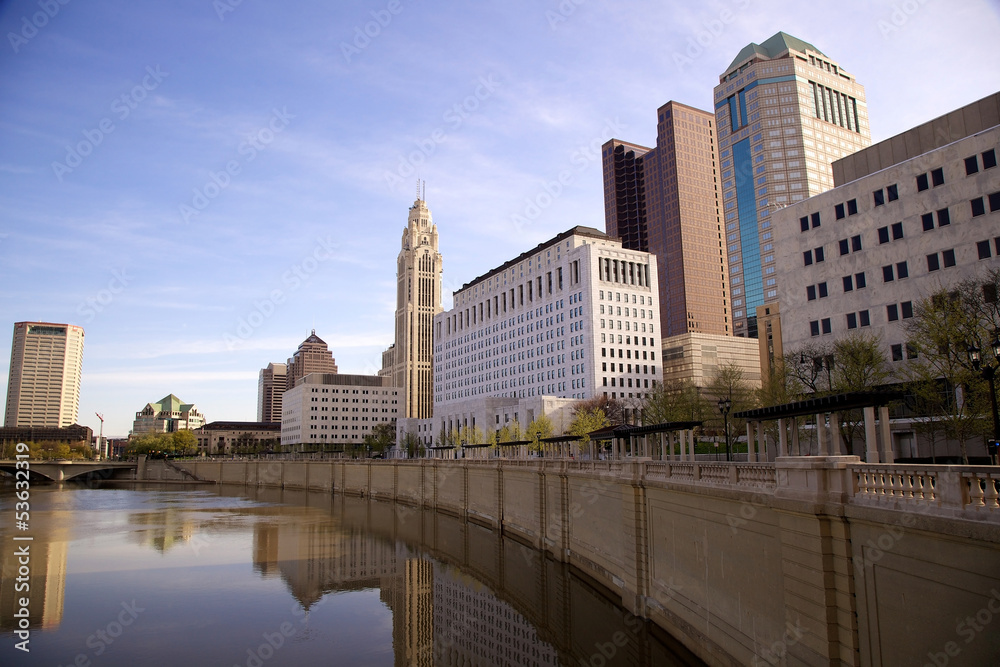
x=424, y=197
x=418, y=189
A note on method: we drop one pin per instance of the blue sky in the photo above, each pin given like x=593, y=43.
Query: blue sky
x=198, y=184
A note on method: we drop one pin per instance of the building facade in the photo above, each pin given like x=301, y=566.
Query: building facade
x=859, y=257
x=313, y=356
x=784, y=112
x=698, y=357
x=574, y=318
x=337, y=409
x=271, y=384
x=46, y=364
x=409, y=362
x=665, y=200
x=238, y=437
x=168, y=415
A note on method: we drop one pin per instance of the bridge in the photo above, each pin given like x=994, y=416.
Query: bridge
x=59, y=471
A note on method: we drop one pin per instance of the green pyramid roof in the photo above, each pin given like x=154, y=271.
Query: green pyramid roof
x=772, y=48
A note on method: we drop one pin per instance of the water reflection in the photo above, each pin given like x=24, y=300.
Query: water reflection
x=276, y=578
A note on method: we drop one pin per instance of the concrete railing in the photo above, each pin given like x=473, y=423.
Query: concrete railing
x=969, y=492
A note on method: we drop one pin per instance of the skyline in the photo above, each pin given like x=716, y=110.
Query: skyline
x=301, y=138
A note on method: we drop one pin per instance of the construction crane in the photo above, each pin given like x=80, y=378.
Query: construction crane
x=101, y=450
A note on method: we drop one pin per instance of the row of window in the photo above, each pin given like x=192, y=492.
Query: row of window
x=863, y=318
x=989, y=159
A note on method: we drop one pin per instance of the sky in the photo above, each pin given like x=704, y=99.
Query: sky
x=201, y=183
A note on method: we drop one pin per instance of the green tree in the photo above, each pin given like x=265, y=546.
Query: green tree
x=382, y=436
x=730, y=382
x=584, y=422
x=675, y=401
x=860, y=364
x=184, y=442
x=539, y=429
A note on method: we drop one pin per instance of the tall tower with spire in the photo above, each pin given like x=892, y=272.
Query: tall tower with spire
x=410, y=361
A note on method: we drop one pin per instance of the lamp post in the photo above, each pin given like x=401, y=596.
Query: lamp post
x=989, y=374
x=725, y=405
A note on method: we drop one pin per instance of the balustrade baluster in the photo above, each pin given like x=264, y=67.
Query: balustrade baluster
x=975, y=491
x=992, y=495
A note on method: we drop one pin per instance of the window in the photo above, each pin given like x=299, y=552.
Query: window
x=922, y=183
x=907, y=308
x=859, y=280
x=932, y=262
x=887, y=274
x=897, y=231
x=937, y=177
x=852, y=207
x=897, y=352
x=911, y=352
x=819, y=254
x=823, y=293
x=825, y=324
x=928, y=221
x=883, y=235
x=807, y=257
x=852, y=320
x=944, y=218
x=971, y=165
x=804, y=223
x=989, y=159
x=892, y=192
x=995, y=202
x=902, y=271
x=811, y=293
x=856, y=243
x=978, y=207
x=814, y=328
x=948, y=257
x=984, y=249
x=892, y=312
x=865, y=318
x=815, y=220
x=848, y=284
x=839, y=211
x=879, y=197
x=844, y=247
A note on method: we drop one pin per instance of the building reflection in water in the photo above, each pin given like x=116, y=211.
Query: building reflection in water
x=440, y=616
x=47, y=581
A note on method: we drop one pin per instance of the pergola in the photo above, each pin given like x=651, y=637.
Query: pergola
x=635, y=441
x=819, y=408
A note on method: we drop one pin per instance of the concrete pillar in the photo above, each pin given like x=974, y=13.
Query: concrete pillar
x=796, y=449
x=751, y=451
x=871, y=441
x=762, y=440
x=836, y=447
x=782, y=438
x=886, y=434
x=821, y=434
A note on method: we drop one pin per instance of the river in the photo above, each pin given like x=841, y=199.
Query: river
x=130, y=575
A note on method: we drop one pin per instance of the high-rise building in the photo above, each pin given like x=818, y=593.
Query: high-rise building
x=665, y=200
x=313, y=356
x=784, y=112
x=337, y=408
x=270, y=387
x=410, y=361
x=46, y=362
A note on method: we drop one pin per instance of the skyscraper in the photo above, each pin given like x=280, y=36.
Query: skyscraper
x=313, y=356
x=270, y=387
x=418, y=300
x=46, y=362
x=784, y=111
x=664, y=200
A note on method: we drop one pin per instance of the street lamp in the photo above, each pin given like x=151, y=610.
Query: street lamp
x=725, y=405
x=989, y=373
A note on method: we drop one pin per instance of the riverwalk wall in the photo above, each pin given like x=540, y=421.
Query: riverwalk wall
x=804, y=561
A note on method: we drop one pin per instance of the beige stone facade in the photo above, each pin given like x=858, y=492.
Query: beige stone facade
x=168, y=415
x=271, y=384
x=337, y=409
x=46, y=363
x=238, y=437
x=409, y=362
x=697, y=357
x=313, y=356
x=784, y=111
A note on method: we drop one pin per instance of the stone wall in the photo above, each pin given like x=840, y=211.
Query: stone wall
x=813, y=561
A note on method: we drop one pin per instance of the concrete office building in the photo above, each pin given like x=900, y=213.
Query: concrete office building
x=271, y=384
x=46, y=363
x=697, y=358
x=912, y=215
x=313, y=356
x=409, y=361
x=784, y=112
x=168, y=415
x=238, y=437
x=574, y=318
x=665, y=200
x=327, y=408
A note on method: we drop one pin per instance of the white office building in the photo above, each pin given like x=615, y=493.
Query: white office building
x=574, y=318
x=337, y=408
